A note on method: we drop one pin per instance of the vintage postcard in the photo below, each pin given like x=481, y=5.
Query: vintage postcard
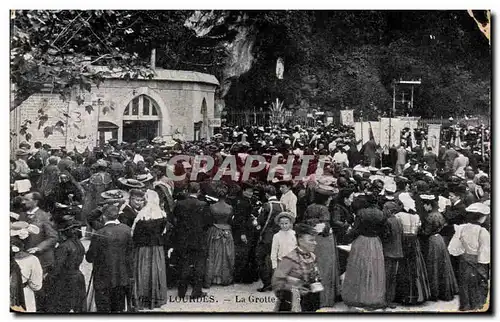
x=250, y=161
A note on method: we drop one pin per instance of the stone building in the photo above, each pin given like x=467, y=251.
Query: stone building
x=179, y=103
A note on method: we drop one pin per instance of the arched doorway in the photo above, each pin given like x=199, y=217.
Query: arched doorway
x=141, y=119
x=204, y=115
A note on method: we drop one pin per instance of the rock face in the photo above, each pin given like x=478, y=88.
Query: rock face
x=239, y=50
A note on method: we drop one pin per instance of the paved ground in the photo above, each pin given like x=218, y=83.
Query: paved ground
x=245, y=298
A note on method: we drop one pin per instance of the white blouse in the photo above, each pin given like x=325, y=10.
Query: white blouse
x=283, y=243
x=411, y=222
x=473, y=240
x=32, y=274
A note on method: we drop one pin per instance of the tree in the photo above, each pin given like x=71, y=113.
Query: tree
x=52, y=50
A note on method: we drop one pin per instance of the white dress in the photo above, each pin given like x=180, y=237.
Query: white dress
x=32, y=273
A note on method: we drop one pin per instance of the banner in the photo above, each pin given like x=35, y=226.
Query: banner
x=375, y=127
x=362, y=132
x=347, y=117
x=390, y=132
x=433, y=137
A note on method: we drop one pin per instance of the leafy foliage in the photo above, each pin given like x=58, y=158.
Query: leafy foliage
x=52, y=50
x=333, y=59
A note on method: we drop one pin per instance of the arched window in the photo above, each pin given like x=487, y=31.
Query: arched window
x=142, y=107
x=141, y=119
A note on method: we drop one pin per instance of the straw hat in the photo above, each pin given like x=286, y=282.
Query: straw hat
x=22, y=152
x=115, y=194
x=284, y=214
x=22, y=229
x=131, y=183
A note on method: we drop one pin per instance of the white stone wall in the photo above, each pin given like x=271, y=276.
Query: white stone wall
x=179, y=102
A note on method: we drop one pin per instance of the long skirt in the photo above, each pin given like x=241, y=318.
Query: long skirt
x=473, y=286
x=442, y=281
x=150, y=278
x=412, y=284
x=220, y=261
x=66, y=293
x=364, y=281
x=326, y=256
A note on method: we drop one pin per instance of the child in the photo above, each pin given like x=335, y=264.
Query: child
x=284, y=241
x=296, y=281
x=471, y=244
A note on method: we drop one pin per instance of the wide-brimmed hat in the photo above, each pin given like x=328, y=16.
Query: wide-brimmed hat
x=115, y=194
x=283, y=179
x=326, y=180
x=22, y=152
x=22, y=229
x=144, y=177
x=285, y=214
x=68, y=222
x=324, y=190
x=115, y=155
x=476, y=211
x=131, y=183
x=304, y=229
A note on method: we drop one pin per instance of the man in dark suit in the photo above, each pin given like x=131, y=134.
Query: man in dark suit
x=190, y=241
x=110, y=252
x=41, y=245
x=243, y=234
x=268, y=228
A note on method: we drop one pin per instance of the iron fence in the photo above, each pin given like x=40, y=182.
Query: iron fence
x=263, y=118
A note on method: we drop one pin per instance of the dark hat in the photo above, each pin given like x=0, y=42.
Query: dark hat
x=247, y=185
x=285, y=214
x=457, y=188
x=304, y=229
x=421, y=186
x=22, y=152
x=68, y=222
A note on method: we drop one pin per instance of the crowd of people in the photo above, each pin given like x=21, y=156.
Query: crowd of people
x=368, y=227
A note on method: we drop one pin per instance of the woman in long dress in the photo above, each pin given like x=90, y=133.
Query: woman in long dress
x=412, y=286
x=364, y=281
x=220, y=261
x=99, y=182
x=318, y=216
x=442, y=282
x=150, y=279
x=471, y=243
x=65, y=282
